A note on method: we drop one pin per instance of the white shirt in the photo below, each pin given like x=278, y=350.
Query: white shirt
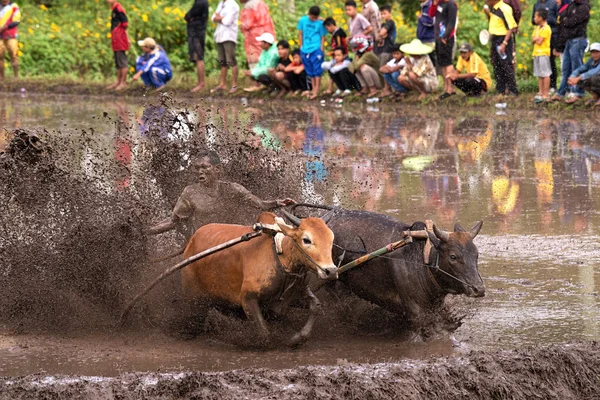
x=392, y=63
x=227, y=29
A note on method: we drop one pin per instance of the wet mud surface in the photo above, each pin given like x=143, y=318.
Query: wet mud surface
x=73, y=252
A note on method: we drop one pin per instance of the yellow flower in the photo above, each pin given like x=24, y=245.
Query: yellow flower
x=54, y=27
x=20, y=53
x=108, y=35
x=52, y=36
x=145, y=17
x=43, y=7
x=30, y=31
x=21, y=45
x=291, y=42
x=131, y=69
x=154, y=6
x=108, y=24
x=97, y=35
x=168, y=10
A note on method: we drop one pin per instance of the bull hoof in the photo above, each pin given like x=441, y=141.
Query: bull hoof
x=297, y=340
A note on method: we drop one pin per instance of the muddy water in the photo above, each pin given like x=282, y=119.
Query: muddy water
x=532, y=178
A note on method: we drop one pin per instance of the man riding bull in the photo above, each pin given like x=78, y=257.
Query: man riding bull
x=212, y=200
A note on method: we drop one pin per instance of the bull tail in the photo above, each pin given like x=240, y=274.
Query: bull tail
x=168, y=256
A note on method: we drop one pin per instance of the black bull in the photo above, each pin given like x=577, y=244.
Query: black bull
x=400, y=281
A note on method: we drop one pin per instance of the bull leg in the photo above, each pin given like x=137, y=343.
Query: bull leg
x=252, y=310
x=315, y=306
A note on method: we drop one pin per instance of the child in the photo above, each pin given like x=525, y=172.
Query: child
x=391, y=72
x=296, y=75
x=311, y=39
x=278, y=73
x=120, y=43
x=340, y=74
x=338, y=40
x=541, y=54
x=385, y=41
x=358, y=25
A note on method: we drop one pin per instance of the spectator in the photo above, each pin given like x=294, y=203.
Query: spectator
x=255, y=20
x=365, y=66
x=552, y=8
x=559, y=40
x=120, y=42
x=268, y=59
x=153, y=66
x=341, y=75
x=278, y=74
x=515, y=5
x=371, y=12
x=338, y=40
x=445, y=12
x=425, y=29
x=311, y=38
x=358, y=25
x=197, y=19
x=391, y=72
x=419, y=73
x=587, y=77
x=226, y=18
x=296, y=75
x=10, y=17
x=541, y=54
x=502, y=25
x=471, y=75
x=385, y=41
x=574, y=24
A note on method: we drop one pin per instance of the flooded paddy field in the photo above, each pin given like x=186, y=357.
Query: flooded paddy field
x=72, y=253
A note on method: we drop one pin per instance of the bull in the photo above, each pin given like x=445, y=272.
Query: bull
x=404, y=282
x=261, y=274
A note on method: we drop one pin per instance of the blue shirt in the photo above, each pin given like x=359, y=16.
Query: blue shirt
x=156, y=60
x=587, y=70
x=312, y=34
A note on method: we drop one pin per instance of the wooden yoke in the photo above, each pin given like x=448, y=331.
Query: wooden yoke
x=428, y=244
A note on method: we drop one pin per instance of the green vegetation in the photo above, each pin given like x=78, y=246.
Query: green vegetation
x=72, y=37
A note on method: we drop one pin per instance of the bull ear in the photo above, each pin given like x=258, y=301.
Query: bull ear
x=288, y=230
x=434, y=239
x=442, y=235
x=475, y=230
x=458, y=228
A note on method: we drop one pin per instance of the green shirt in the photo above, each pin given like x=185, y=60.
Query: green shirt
x=268, y=59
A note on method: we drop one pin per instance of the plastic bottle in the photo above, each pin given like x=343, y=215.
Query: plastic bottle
x=502, y=55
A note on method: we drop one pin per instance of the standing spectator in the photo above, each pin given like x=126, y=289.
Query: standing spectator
x=254, y=21
x=574, y=24
x=341, y=75
x=559, y=40
x=197, y=19
x=391, y=72
x=552, y=8
x=541, y=54
x=471, y=75
x=515, y=5
x=425, y=29
x=268, y=59
x=338, y=40
x=371, y=12
x=502, y=25
x=358, y=25
x=418, y=73
x=120, y=42
x=587, y=77
x=365, y=66
x=311, y=38
x=385, y=41
x=153, y=66
x=226, y=18
x=10, y=17
x=445, y=12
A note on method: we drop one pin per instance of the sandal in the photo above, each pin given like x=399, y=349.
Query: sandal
x=218, y=89
x=233, y=89
x=590, y=102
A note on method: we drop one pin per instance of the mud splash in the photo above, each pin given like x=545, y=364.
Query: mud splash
x=568, y=371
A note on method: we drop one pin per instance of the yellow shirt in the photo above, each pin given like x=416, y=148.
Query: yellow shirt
x=475, y=65
x=544, y=48
x=497, y=26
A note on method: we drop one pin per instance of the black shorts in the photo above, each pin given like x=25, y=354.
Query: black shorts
x=196, y=42
x=121, y=59
x=443, y=52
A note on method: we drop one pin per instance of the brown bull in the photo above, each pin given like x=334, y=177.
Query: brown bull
x=252, y=275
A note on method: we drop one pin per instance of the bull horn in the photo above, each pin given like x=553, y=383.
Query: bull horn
x=458, y=228
x=291, y=217
x=475, y=230
x=443, y=235
x=327, y=216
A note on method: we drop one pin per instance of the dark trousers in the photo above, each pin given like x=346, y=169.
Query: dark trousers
x=504, y=71
x=345, y=80
x=471, y=86
x=554, y=76
x=264, y=79
x=298, y=81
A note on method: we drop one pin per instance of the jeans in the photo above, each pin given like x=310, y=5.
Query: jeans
x=572, y=59
x=392, y=80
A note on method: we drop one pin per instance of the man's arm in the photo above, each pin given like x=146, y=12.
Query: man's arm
x=581, y=16
x=162, y=226
x=264, y=205
x=452, y=13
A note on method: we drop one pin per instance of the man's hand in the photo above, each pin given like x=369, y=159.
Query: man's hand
x=285, y=202
x=247, y=73
x=217, y=18
x=443, y=40
x=572, y=81
x=502, y=49
x=137, y=75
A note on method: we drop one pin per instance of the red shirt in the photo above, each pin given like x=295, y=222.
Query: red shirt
x=118, y=23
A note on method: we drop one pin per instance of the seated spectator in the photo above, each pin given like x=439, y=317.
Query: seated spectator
x=268, y=59
x=471, y=75
x=365, y=66
x=587, y=77
x=418, y=73
x=296, y=75
x=153, y=66
x=341, y=75
x=338, y=40
x=391, y=72
x=278, y=74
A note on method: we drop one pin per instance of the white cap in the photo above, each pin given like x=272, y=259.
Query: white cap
x=595, y=47
x=148, y=42
x=266, y=37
